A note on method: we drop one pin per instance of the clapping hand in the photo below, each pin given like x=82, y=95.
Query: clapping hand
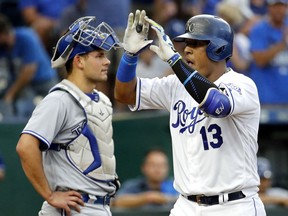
x=165, y=50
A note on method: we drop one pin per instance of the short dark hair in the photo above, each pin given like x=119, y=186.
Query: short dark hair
x=69, y=65
x=152, y=150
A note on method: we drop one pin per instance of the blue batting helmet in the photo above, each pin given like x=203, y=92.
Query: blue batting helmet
x=82, y=37
x=213, y=29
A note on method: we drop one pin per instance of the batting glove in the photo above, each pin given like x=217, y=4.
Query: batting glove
x=165, y=50
x=136, y=33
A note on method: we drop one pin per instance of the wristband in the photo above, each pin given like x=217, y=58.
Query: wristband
x=127, y=68
x=174, y=59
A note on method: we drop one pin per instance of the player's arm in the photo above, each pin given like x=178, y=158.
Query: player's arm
x=276, y=200
x=211, y=100
x=125, y=84
x=31, y=160
x=134, y=41
x=24, y=78
x=140, y=199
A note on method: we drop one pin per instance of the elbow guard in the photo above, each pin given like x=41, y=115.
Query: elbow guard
x=215, y=104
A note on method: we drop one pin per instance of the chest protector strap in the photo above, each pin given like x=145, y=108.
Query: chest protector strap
x=94, y=149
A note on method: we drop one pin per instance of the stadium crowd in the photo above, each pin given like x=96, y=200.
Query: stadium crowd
x=260, y=48
x=260, y=44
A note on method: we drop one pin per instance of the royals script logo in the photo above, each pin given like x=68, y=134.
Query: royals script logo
x=187, y=119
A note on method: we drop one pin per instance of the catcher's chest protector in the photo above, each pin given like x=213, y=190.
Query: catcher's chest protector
x=92, y=152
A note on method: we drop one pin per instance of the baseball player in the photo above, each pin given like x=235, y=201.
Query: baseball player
x=66, y=148
x=214, y=115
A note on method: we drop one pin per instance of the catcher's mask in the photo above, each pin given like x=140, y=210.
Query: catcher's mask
x=82, y=37
x=210, y=28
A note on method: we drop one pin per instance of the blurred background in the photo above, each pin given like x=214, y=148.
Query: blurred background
x=260, y=52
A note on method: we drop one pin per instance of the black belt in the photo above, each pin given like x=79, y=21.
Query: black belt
x=214, y=200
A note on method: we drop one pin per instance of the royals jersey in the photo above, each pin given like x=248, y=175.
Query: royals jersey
x=210, y=155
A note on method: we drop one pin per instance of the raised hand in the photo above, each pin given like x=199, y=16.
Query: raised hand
x=165, y=50
x=136, y=33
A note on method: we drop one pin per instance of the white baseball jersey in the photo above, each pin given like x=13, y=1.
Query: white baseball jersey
x=210, y=155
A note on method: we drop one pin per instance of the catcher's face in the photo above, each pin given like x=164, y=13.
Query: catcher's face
x=95, y=66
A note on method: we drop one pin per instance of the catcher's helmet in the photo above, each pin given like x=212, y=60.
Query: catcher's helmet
x=213, y=29
x=81, y=38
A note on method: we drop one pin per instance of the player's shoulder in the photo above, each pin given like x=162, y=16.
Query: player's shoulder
x=58, y=94
x=58, y=99
x=239, y=78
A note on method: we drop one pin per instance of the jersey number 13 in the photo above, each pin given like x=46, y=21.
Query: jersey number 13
x=214, y=131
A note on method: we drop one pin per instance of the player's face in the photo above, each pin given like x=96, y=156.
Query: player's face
x=96, y=66
x=277, y=13
x=156, y=167
x=196, y=57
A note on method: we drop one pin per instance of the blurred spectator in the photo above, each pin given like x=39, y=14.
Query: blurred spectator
x=10, y=9
x=270, y=195
x=173, y=28
x=188, y=8
x=269, y=42
x=2, y=169
x=103, y=10
x=202, y=7
x=153, y=189
x=241, y=58
x=258, y=7
x=42, y=15
x=69, y=15
x=251, y=17
x=160, y=10
x=150, y=65
x=163, y=11
x=243, y=6
x=25, y=70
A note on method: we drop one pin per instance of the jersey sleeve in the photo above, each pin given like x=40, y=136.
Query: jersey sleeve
x=243, y=94
x=47, y=120
x=154, y=93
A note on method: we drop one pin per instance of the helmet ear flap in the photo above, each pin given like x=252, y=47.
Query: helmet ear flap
x=217, y=52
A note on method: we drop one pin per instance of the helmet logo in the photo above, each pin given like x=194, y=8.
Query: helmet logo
x=191, y=27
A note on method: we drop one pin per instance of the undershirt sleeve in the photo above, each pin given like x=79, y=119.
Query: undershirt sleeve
x=196, y=85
